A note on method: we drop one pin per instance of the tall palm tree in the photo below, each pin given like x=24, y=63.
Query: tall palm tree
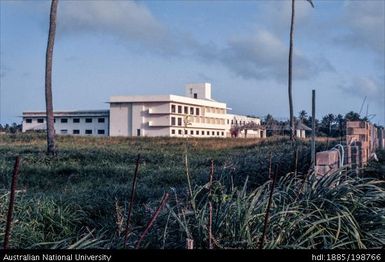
x=292, y=127
x=51, y=149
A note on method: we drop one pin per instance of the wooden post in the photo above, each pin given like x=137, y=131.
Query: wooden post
x=313, y=130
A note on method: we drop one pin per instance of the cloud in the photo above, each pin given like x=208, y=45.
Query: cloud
x=127, y=20
x=368, y=86
x=265, y=56
x=364, y=21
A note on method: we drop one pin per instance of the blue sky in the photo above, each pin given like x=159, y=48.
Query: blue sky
x=106, y=48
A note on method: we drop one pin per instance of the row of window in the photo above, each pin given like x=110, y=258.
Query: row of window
x=185, y=110
x=197, y=132
x=178, y=121
x=195, y=110
x=238, y=122
x=87, y=132
x=65, y=120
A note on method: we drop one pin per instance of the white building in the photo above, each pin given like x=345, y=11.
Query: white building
x=196, y=114
x=91, y=122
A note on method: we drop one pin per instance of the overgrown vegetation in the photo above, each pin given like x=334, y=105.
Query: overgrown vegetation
x=80, y=198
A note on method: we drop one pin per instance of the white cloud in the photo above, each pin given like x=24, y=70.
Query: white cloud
x=265, y=56
x=367, y=86
x=127, y=20
x=364, y=21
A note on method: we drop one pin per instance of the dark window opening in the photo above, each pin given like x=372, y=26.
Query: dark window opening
x=191, y=132
x=101, y=120
x=195, y=95
x=88, y=132
x=180, y=109
x=88, y=120
x=101, y=132
x=28, y=120
x=223, y=133
x=173, y=121
x=76, y=120
x=138, y=132
x=185, y=132
x=63, y=131
x=179, y=121
x=197, y=132
x=64, y=120
x=186, y=110
x=172, y=108
x=173, y=131
x=197, y=111
x=40, y=120
x=76, y=131
x=179, y=132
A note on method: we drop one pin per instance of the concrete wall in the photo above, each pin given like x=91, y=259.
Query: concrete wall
x=121, y=119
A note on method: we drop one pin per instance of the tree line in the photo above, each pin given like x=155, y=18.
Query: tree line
x=330, y=125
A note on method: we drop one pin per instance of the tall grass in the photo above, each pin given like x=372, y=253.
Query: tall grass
x=341, y=210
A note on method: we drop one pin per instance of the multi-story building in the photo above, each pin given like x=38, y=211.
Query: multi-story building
x=91, y=122
x=196, y=114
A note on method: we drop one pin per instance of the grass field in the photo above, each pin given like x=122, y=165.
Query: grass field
x=80, y=198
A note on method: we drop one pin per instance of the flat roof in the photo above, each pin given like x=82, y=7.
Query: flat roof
x=166, y=98
x=68, y=113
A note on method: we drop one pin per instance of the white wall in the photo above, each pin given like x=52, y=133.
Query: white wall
x=121, y=119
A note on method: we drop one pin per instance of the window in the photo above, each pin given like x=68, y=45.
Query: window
x=179, y=132
x=180, y=109
x=191, y=110
x=203, y=133
x=28, y=120
x=64, y=131
x=88, y=120
x=208, y=133
x=213, y=133
x=186, y=110
x=228, y=122
x=191, y=132
x=40, y=120
x=173, y=131
x=101, y=120
x=64, y=120
x=197, y=111
x=88, y=132
x=101, y=131
x=76, y=120
x=232, y=121
x=173, y=123
x=76, y=131
x=197, y=133
x=218, y=133
x=195, y=95
x=223, y=133
x=179, y=121
x=185, y=132
x=54, y=120
x=172, y=108
x=137, y=132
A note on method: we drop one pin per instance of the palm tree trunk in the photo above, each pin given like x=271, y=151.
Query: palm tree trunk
x=290, y=71
x=51, y=149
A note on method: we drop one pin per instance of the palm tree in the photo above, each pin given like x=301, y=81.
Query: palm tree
x=51, y=149
x=292, y=128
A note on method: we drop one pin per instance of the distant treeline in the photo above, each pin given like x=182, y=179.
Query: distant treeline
x=330, y=125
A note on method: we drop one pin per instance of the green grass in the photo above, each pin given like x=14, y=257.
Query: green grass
x=79, y=199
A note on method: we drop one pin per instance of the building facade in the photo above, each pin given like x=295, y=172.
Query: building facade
x=92, y=122
x=196, y=115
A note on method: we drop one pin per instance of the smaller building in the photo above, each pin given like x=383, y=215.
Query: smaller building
x=90, y=122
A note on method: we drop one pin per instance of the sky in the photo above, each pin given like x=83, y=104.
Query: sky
x=105, y=48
